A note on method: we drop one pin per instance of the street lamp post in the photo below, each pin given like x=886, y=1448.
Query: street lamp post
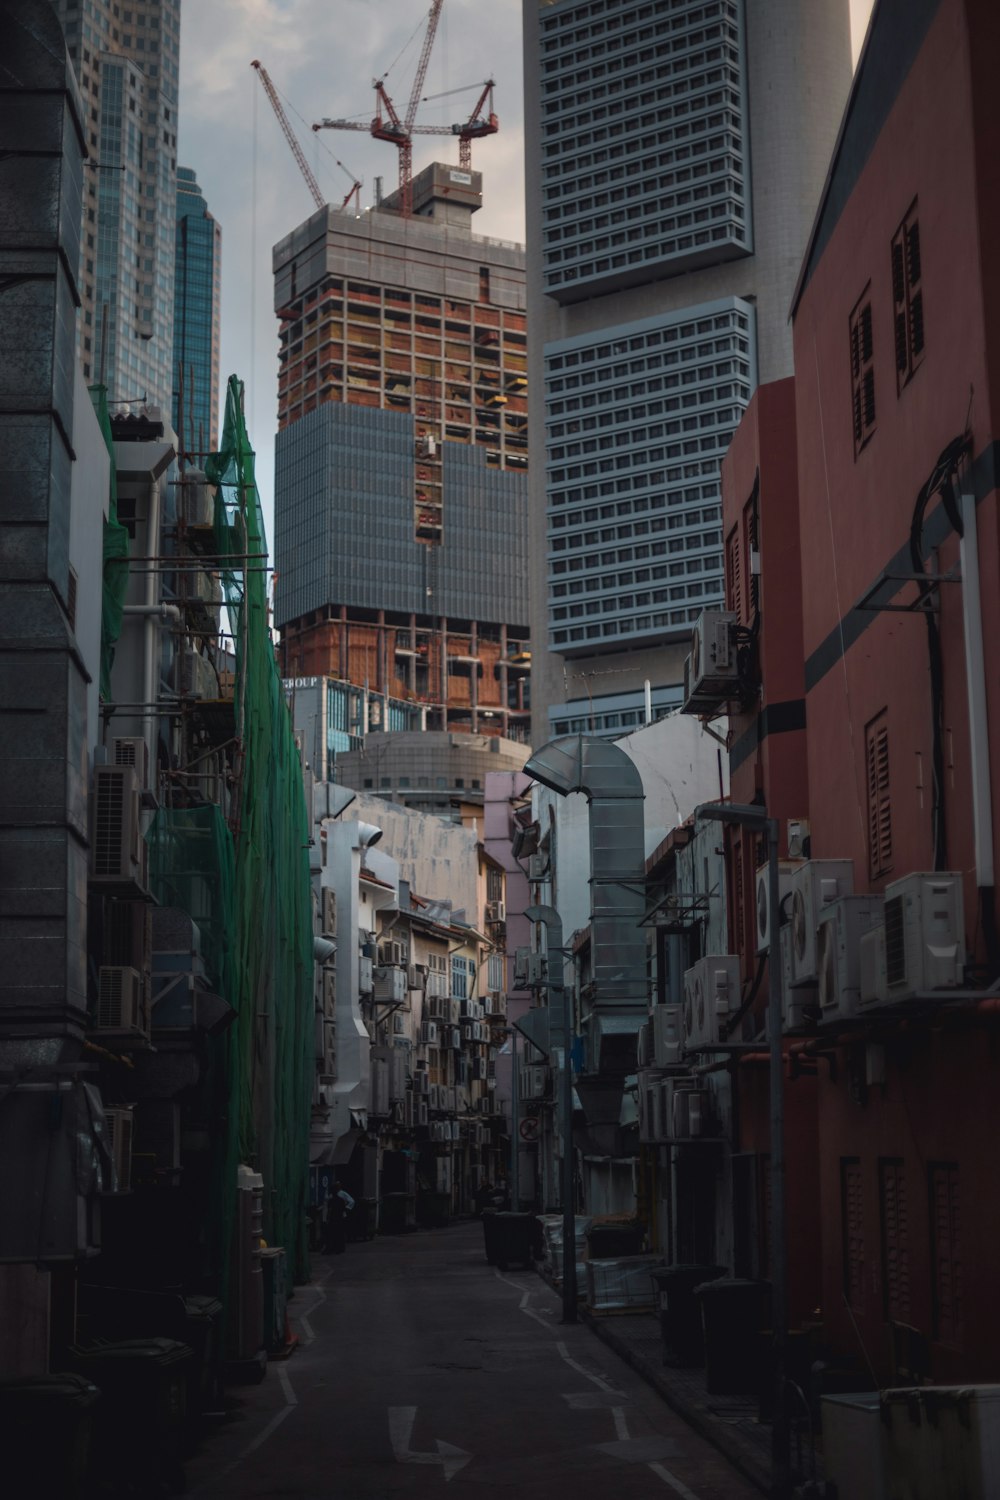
x=559, y=1002
x=756, y=817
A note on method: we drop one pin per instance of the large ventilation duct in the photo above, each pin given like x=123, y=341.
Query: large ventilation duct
x=43, y=684
x=613, y=788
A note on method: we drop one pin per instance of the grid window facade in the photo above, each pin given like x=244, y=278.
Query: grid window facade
x=638, y=419
x=907, y=298
x=946, y=1253
x=198, y=281
x=644, y=140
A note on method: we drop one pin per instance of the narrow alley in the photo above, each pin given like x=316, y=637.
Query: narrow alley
x=420, y=1365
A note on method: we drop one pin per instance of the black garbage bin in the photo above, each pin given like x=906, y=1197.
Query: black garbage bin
x=518, y=1238
x=203, y=1336
x=680, y=1311
x=733, y=1312
x=45, y=1432
x=140, y=1428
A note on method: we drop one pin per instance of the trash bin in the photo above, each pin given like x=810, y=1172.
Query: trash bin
x=203, y=1336
x=491, y=1235
x=518, y=1238
x=611, y=1241
x=680, y=1311
x=45, y=1433
x=140, y=1422
x=733, y=1312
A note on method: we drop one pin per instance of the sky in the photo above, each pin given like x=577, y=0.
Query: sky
x=322, y=56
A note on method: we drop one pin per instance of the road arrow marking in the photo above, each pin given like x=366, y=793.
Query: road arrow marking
x=401, y=1423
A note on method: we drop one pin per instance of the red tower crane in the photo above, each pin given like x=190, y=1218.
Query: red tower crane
x=387, y=125
x=318, y=195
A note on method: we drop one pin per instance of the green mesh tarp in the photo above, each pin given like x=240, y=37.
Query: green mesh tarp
x=269, y=963
x=115, y=579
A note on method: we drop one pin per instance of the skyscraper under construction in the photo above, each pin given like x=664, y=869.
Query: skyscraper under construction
x=401, y=459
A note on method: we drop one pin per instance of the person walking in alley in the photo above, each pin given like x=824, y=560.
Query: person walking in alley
x=337, y=1204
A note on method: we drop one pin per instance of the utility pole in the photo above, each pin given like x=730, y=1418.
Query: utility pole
x=560, y=1004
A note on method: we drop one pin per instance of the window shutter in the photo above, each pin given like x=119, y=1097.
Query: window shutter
x=895, y=1241
x=862, y=373
x=852, y=1219
x=907, y=296
x=946, y=1268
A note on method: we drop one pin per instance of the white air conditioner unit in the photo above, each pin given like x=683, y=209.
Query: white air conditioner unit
x=763, y=925
x=398, y=1025
x=454, y=1035
x=390, y=985
x=841, y=928
x=711, y=673
x=815, y=884
x=202, y=599
x=117, y=848
x=437, y=1130
x=872, y=988
x=329, y=993
x=521, y=956
x=134, y=752
x=537, y=970
x=420, y=1118
x=924, y=934
x=415, y=976
x=538, y=866
x=121, y=1002
x=119, y=1120
x=533, y=1081
x=666, y=1024
x=431, y=1035
x=328, y=912
x=711, y=994
x=496, y=911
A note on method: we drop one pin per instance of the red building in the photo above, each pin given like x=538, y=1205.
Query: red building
x=872, y=721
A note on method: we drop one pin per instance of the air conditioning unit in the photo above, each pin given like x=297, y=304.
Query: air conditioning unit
x=119, y=1121
x=366, y=975
x=711, y=993
x=120, y=1002
x=329, y=993
x=450, y=1102
x=924, y=934
x=799, y=1008
x=455, y=1012
x=872, y=987
x=415, y=976
x=537, y=971
x=667, y=1025
x=398, y=1025
x=644, y=1045
x=534, y=1080
x=132, y=751
x=390, y=985
x=328, y=912
x=815, y=884
x=430, y=1034
x=496, y=911
x=454, y=1035
x=763, y=924
x=117, y=848
x=841, y=927
x=486, y=1105
x=437, y=1130
x=711, y=673
x=520, y=977
x=420, y=1118
x=202, y=599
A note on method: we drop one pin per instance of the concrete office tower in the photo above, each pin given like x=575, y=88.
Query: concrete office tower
x=126, y=57
x=197, y=304
x=400, y=474
x=674, y=156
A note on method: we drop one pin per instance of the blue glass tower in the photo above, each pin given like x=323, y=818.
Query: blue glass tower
x=197, y=283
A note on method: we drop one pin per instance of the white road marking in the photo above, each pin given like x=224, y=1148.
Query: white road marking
x=286, y=1385
x=450, y=1458
x=264, y=1434
x=678, y=1487
x=303, y=1319
x=621, y=1426
x=603, y=1384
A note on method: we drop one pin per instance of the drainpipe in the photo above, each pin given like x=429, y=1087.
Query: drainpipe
x=979, y=735
x=151, y=640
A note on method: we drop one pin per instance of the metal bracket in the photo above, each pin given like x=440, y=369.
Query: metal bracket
x=923, y=604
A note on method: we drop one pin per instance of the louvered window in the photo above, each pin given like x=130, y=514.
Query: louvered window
x=734, y=573
x=879, y=797
x=862, y=373
x=907, y=298
x=895, y=1240
x=853, y=1230
x=946, y=1252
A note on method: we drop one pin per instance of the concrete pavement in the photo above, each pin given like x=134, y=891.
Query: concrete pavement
x=423, y=1372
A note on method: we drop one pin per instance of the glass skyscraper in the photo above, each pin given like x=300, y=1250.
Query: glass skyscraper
x=126, y=59
x=674, y=158
x=197, y=294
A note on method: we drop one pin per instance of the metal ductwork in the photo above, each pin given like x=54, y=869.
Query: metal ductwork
x=43, y=826
x=613, y=788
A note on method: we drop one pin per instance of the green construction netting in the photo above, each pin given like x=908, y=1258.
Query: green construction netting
x=247, y=885
x=270, y=960
x=115, y=579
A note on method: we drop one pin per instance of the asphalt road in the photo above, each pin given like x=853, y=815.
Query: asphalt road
x=423, y=1372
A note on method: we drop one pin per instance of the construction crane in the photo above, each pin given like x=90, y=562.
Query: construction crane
x=474, y=128
x=387, y=125
x=319, y=198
